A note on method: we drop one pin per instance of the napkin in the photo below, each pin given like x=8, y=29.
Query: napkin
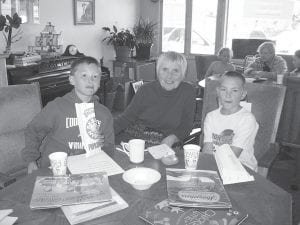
x=89, y=127
x=159, y=151
x=230, y=167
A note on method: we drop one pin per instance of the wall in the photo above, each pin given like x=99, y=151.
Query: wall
x=122, y=13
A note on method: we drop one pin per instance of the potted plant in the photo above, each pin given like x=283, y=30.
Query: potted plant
x=145, y=33
x=123, y=41
x=7, y=23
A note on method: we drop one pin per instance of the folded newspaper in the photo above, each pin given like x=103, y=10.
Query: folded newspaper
x=230, y=167
x=55, y=191
x=85, y=212
x=89, y=127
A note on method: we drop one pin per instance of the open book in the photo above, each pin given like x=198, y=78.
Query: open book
x=55, y=191
x=196, y=188
x=85, y=212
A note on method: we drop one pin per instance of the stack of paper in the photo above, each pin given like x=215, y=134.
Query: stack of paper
x=85, y=212
x=78, y=164
x=5, y=219
x=230, y=168
x=159, y=151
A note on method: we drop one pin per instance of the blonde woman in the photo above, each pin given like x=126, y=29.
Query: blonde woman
x=165, y=107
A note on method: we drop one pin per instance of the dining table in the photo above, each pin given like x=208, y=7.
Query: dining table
x=263, y=201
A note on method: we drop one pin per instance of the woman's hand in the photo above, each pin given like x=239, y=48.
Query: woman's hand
x=31, y=167
x=170, y=140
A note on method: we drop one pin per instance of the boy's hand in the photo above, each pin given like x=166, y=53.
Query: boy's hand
x=32, y=166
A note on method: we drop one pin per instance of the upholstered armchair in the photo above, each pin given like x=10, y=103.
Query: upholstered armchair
x=18, y=105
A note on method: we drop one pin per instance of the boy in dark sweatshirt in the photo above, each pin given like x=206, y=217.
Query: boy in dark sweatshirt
x=55, y=128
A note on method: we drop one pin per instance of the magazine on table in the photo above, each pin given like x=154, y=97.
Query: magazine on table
x=85, y=212
x=55, y=191
x=164, y=213
x=196, y=188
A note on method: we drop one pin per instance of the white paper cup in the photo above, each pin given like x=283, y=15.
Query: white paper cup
x=280, y=78
x=58, y=161
x=135, y=148
x=191, y=155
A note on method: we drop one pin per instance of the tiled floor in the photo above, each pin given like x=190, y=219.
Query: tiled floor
x=282, y=175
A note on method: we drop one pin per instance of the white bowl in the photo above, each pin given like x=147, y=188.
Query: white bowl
x=141, y=178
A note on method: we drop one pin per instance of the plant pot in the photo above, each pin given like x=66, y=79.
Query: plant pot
x=143, y=50
x=122, y=52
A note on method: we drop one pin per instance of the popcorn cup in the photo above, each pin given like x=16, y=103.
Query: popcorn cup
x=191, y=155
x=58, y=161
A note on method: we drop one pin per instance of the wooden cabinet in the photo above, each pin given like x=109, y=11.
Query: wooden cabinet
x=142, y=69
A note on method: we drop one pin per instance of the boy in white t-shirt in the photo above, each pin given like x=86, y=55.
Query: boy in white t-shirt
x=231, y=123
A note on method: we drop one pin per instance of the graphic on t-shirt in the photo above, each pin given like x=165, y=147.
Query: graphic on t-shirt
x=226, y=137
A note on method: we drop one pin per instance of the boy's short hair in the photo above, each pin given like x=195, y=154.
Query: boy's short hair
x=84, y=60
x=297, y=53
x=223, y=50
x=172, y=57
x=234, y=74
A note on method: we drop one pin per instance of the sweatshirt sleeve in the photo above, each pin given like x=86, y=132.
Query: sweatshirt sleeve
x=187, y=118
x=108, y=130
x=131, y=112
x=35, y=132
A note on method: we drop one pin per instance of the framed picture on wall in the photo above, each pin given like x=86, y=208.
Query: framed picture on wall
x=84, y=12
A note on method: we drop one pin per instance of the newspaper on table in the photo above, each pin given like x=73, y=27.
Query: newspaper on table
x=89, y=127
x=230, y=167
x=159, y=151
x=5, y=219
x=55, y=191
x=78, y=164
x=85, y=212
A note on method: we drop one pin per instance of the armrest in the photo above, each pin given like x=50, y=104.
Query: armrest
x=267, y=159
x=6, y=180
x=193, y=138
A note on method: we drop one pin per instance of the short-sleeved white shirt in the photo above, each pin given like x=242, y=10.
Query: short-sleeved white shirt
x=238, y=129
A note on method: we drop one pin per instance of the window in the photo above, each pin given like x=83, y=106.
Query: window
x=204, y=15
x=201, y=22
x=276, y=20
x=201, y=26
x=28, y=10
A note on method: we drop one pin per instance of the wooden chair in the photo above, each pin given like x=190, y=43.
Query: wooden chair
x=18, y=105
x=202, y=64
x=267, y=101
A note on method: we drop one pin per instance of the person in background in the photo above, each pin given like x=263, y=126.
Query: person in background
x=267, y=64
x=163, y=108
x=231, y=123
x=296, y=62
x=55, y=128
x=217, y=68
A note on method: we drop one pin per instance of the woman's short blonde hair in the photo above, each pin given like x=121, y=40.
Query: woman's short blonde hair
x=174, y=57
x=270, y=46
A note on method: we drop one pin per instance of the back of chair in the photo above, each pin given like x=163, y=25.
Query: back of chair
x=18, y=105
x=267, y=101
x=202, y=64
